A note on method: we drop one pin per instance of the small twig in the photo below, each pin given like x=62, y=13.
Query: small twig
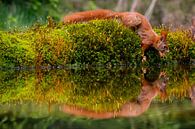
x=193, y=28
x=149, y=11
x=134, y=5
x=122, y=5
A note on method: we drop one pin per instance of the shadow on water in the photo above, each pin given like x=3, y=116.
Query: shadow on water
x=92, y=98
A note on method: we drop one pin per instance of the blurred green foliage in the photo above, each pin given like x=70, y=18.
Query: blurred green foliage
x=20, y=13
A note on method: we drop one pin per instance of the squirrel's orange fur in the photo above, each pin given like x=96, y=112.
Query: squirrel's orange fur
x=132, y=20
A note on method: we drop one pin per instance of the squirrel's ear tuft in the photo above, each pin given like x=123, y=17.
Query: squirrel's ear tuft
x=164, y=35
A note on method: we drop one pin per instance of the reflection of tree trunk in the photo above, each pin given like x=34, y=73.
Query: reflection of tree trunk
x=193, y=28
x=122, y=5
x=149, y=11
x=192, y=94
x=134, y=5
x=39, y=77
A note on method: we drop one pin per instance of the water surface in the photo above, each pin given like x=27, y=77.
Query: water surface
x=94, y=98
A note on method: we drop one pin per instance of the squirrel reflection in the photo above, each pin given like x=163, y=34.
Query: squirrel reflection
x=150, y=89
x=192, y=94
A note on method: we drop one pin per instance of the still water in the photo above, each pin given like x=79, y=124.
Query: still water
x=98, y=98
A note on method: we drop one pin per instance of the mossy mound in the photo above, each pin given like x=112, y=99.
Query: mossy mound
x=181, y=48
x=181, y=45
x=94, y=43
x=98, y=42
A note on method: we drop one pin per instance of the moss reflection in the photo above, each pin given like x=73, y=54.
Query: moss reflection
x=98, y=89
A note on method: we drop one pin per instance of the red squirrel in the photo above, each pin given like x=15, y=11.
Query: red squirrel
x=131, y=20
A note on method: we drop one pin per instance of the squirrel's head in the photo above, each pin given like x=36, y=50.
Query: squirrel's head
x=161, y=44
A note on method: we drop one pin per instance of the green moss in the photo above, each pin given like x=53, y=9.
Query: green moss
x=15, y=51
x=94, y=89
x=97, y=89
x=103, y=42
x=179, y=83
x=181, y=46
x=98, y=42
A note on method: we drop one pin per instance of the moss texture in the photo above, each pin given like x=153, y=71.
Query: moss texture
x=98, y=42
x=96, y=89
